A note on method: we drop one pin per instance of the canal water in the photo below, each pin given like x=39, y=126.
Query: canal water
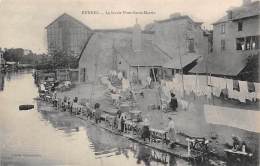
x=40, y=137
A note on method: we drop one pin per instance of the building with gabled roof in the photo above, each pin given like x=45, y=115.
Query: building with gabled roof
x=158, y=47
x=130, y=51
x=236, y=41
x=67, y=34
x=182, y=39
x=179, y=35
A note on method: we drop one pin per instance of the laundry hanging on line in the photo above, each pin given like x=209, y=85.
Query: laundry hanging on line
x=125, y=84
x=236, y=85
x=251, y=87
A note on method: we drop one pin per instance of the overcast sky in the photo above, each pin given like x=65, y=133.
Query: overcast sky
x=23, y=22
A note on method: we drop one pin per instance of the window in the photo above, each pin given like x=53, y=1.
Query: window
x=223, y=28
x=223, y=45
x=173, y=72
x=248, y=43
x=236, y=86
x=240, y=26
x=191, y=47
x=240, y=42
x=255, y=42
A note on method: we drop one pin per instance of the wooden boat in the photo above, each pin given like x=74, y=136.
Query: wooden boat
x=26, y=107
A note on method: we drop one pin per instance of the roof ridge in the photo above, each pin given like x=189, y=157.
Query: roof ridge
x=65, y=14
x=174, y=18
x=85, y=45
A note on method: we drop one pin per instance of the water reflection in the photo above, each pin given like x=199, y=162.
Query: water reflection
x=2, y=82
x=105, y=144
x=43, y=136
x=144, y=155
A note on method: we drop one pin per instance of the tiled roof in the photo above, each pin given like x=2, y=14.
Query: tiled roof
x=181, y=62
x=149, y=55
x=173, y=19
x=230, y=65
x=122, y=30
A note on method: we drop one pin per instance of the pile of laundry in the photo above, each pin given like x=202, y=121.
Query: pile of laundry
x=116, y=84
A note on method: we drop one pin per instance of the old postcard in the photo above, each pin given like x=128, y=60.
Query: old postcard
x=129, y=82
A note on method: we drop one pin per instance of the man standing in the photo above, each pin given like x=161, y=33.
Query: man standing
x=171, y=132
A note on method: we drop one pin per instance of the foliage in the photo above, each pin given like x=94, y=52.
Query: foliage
x=58, y=60
x=62, y=60
x=19, y=55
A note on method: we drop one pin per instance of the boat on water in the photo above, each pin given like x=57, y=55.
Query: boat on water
x=26, y=107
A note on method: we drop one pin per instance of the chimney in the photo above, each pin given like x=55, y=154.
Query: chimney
x=246, y=2
x=137, y=38
x=229, y=14
x=175, y=15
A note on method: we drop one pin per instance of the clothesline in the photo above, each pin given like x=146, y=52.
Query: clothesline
x=201, y=86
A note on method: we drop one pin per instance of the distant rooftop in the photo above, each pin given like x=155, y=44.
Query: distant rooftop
x=177, y=16
x=122, y=30
x=250, y=10
x=69, y=16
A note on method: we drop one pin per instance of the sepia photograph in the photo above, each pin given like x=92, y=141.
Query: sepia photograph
x=129, y=83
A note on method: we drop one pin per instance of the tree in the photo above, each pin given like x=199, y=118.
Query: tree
x=62, y=60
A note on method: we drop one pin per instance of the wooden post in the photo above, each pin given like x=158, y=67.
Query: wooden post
x=189, y=150
x=181, y=66
x=155, y=82
x=196, y=86
x=212, y=91
x=138, y=74
x=154, y=74
x=93, y=86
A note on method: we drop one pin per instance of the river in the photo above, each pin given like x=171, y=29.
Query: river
x=38, y=137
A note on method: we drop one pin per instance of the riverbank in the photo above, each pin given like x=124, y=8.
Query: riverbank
x=190, y=120
x=180, y=151
x=41, y=137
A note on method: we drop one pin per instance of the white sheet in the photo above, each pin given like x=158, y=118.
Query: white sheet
x=125, y=84
x=239, y=118
x=257, y=89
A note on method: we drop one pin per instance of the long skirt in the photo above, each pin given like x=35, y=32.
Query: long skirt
x=122, y=126
x=172, y=135
x=119, y=124
x=146, y=132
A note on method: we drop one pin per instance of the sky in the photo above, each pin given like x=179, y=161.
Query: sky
x=23, y=22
